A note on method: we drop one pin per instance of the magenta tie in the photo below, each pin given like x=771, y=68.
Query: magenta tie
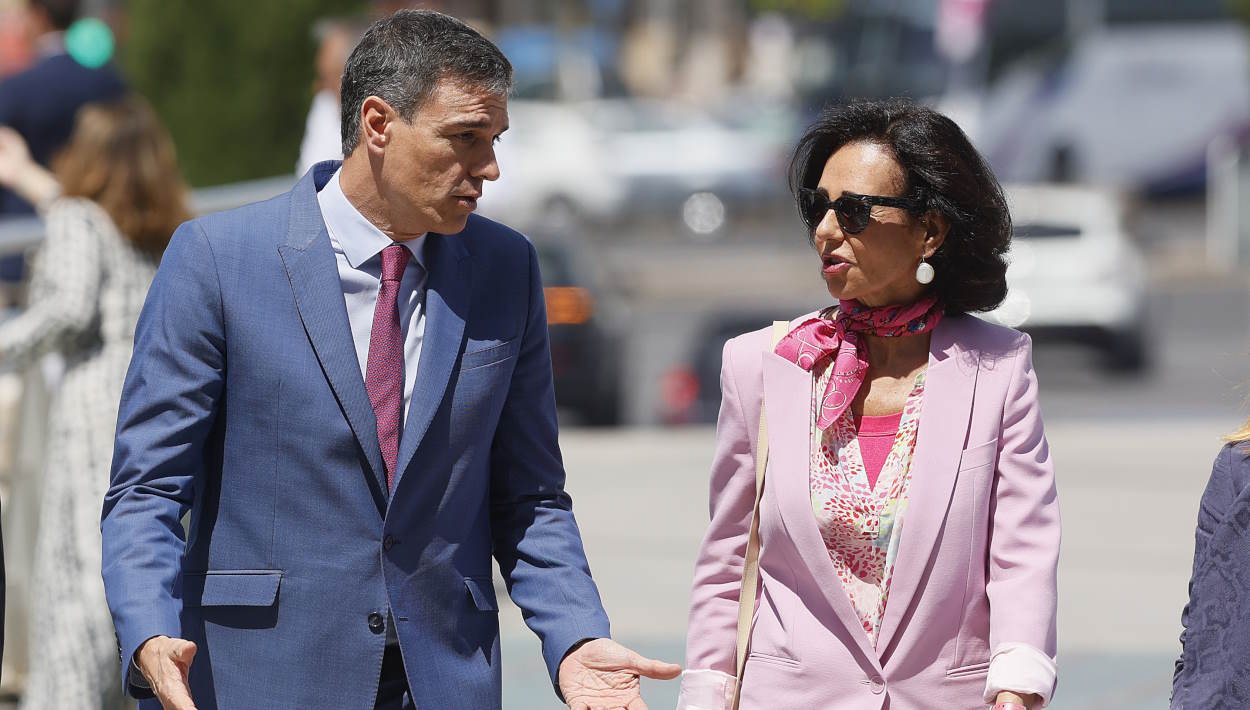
x=384, y=373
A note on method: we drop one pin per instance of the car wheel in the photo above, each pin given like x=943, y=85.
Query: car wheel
x=1126, y=351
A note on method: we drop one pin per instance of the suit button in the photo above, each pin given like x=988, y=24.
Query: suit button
x=387, y=543
x=877, y=685
x=376, y=623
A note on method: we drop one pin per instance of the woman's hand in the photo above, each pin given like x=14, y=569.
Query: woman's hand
x=21, y=174
x=1032, y=702
x=14, y=156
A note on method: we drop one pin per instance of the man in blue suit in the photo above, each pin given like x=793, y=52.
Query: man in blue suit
x=349, y=388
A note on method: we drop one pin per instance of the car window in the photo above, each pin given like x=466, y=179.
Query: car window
x=553, y=264
x=1045, y=230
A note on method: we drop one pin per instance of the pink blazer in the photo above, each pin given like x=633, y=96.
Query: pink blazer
x=976, y=563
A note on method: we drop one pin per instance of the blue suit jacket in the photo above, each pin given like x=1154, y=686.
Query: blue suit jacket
x=1214, y=668
x=245, y=404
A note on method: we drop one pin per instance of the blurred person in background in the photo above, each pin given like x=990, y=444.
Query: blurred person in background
x=349, y=388
x=909, y=521
x=335, y=39
x=40, y=103
x=1213, y=670
x=110, y=206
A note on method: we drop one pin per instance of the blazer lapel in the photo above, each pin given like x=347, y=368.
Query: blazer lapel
x=787, y=401
x=446, y=307
x=313, y=273
x=944, y=416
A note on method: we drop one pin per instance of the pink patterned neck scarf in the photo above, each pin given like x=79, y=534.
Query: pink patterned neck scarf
x=816, y=339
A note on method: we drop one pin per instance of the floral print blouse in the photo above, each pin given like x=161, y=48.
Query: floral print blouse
x=861, y=524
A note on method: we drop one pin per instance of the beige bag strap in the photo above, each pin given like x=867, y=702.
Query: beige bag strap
x=751, y=566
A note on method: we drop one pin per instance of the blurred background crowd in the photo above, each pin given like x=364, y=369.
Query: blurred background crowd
x=646, y=158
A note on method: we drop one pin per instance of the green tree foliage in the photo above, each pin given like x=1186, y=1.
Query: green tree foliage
x=811, y=9
x=231, y=78
x=1240, y=8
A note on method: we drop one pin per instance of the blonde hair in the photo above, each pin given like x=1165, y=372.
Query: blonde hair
x=1241, y=436
x=121, y=157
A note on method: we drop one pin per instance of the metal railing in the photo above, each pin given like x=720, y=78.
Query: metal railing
x=20, y=234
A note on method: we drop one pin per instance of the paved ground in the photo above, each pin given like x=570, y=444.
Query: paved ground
x=1128, y=514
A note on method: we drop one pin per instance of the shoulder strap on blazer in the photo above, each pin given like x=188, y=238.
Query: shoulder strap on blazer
x=751, y=566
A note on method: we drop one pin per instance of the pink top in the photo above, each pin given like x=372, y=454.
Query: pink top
x=876, y=438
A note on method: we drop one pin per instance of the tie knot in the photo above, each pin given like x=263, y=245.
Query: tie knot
x=394, y=260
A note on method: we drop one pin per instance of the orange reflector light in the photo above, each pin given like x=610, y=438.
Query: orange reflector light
x=567, y=305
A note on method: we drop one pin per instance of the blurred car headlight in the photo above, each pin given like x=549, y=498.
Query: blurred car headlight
x=703, y=213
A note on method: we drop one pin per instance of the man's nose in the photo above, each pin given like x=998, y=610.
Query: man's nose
x=488, y=170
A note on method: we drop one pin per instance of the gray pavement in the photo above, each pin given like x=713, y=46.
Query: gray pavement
x=1128, y=511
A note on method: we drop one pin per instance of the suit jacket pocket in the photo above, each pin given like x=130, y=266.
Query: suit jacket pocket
x=481, y=354
x=482, y=590
x=978, y=456
x=255, y=588
x=972, y=669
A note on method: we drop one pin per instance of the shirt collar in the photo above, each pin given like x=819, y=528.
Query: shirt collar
x=358, y=237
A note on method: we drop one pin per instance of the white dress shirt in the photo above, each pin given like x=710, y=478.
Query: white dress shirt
x=358, y=248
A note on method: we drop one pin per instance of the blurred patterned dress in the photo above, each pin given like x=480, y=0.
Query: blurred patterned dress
x=87, y=286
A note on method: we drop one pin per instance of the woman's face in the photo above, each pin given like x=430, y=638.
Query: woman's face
x=877, y=267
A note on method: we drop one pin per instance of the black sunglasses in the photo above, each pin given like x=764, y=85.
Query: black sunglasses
x=854, y=211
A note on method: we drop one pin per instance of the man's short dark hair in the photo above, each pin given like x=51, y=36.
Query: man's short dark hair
x=402, y=58
x=61, y=13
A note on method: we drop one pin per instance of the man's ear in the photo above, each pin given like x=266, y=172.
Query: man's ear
x=375, y=118
x=936, y=227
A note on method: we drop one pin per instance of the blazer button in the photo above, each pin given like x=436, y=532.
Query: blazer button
x=877, y=685
x=387, y=543
x=376, y=623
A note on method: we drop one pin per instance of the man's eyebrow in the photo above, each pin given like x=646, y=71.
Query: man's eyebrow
x=471, y=124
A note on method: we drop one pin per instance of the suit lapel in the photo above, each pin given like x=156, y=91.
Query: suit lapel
x=944, y=416
x=787, y=400
x=313, y=273
x=446, y=307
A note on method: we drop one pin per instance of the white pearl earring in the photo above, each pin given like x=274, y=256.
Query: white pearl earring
x=924, y=272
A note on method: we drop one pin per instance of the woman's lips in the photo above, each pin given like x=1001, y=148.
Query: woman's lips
x=835, y=267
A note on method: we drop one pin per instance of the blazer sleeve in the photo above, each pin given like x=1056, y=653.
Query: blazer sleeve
x=66, y=274
x=168, y=406
x=537, y=542
x=712, y=634
x=1221, y=491
x=1024, y=521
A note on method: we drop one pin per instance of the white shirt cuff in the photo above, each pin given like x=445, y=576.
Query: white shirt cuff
x=1022, y=669
x=705, y=689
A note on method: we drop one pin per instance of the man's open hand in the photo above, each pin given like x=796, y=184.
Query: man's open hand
x=165, y=662
x=603, y=675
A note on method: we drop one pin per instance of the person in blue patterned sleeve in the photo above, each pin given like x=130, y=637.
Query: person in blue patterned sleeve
x=1213, y=670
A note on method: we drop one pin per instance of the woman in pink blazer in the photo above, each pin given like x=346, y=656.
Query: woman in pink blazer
x=909, y=526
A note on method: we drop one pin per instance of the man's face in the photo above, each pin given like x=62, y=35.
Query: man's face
x=433, y=168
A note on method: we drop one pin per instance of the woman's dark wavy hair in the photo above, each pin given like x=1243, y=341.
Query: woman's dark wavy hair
x=944, y=173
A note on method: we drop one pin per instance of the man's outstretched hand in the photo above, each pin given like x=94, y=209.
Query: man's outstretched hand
x=165, y=663
x=603, y=675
